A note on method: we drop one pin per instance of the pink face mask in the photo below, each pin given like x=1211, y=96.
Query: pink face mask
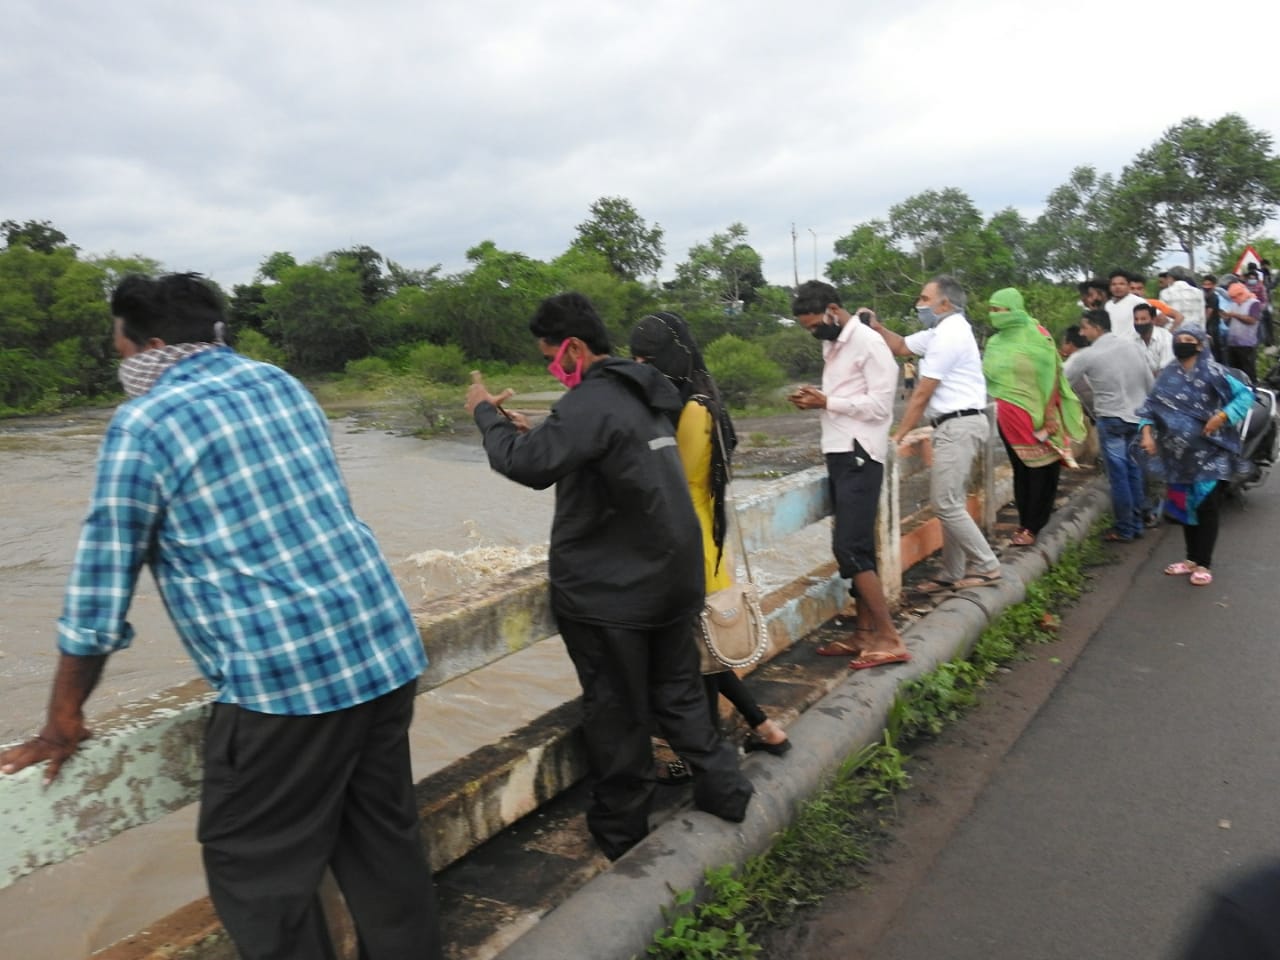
x=554, y=368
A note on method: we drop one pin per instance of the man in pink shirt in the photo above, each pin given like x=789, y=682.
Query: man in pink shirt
x=859, y=380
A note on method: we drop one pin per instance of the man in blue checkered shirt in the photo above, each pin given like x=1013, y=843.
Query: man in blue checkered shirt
x=219, y=474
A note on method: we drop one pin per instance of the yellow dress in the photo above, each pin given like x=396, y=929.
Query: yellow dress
x=693, y=439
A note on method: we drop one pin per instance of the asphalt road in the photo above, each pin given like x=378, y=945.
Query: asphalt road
x=1150, y=773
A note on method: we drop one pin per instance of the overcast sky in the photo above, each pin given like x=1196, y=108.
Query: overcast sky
x=208, y=135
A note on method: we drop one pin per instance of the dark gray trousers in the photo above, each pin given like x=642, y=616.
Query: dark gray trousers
x=631, y=681
x=286, y=797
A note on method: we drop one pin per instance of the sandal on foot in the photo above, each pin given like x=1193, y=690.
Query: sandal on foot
x=1201, y=578
x=1180, y=569
x=754, y=742
x=677, y=772
x=934, y=585
x=838, y=648
x=979, y=580
x=1115, y=536
x=1023, y=538
x=878, y=659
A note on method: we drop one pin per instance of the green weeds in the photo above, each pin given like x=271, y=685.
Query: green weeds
x=835, y=830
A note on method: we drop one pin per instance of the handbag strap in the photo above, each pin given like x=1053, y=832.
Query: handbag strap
x=731, y=515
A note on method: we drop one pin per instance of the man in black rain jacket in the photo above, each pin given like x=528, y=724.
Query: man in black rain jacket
x=625, y=564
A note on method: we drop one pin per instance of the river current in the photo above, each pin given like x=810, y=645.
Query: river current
x=444, y=520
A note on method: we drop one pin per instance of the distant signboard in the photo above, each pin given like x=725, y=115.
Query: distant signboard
x=1249, y=256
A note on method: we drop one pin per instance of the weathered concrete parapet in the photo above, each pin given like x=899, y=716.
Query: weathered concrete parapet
x=143, y=762
x=467, y=631
x=784, y=507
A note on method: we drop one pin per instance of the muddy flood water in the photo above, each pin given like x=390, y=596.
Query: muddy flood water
x=444, y=520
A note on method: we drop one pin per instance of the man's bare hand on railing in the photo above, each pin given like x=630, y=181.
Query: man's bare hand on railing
x=64, y=731
x=53, y=745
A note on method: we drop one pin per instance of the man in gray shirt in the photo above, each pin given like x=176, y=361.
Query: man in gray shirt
x=1115, y=370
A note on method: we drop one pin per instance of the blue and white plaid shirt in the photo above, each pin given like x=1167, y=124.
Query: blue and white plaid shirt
x=223, y=479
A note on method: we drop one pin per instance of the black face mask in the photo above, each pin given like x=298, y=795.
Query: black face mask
x=1182, y=350
x=826, y=331
x=1142, y=328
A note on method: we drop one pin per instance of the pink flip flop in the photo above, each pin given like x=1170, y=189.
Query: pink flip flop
x=1180, y=569
x=1201, y=578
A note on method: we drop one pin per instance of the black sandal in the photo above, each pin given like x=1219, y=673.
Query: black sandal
x=677, y=772
x=754, y=742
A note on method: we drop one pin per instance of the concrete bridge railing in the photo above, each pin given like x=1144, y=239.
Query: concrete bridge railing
x=145, y=759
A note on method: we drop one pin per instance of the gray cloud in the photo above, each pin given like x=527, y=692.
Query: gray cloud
x=207, y=137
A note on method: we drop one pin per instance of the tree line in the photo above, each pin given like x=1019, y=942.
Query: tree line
x=1200, y=186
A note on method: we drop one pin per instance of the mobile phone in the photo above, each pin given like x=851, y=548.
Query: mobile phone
x=865, y=316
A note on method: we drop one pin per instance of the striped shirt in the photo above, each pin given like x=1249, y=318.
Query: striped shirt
x=222, y=478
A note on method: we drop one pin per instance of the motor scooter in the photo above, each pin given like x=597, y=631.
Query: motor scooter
x=1259, y=435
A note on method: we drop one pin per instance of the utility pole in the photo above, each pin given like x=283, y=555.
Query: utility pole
x=795, y=264
x=815, y=252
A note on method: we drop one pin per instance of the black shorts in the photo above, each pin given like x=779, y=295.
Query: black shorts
x=854, y=480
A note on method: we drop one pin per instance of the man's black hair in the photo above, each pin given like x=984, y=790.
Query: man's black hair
x=1135, y=277
x=568, y=315
x=814, y=296
x=1210, y=277
x=1073, y=336
x=1093, y=283
x=1118, y=272
x=175, y=308
x=1145, y=307
x=1099, y=318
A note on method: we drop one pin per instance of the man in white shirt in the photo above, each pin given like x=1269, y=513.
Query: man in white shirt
x=859, y=380
x=1120, y=306
x=951, y=393
x=1181, y=293
x=1156, y=342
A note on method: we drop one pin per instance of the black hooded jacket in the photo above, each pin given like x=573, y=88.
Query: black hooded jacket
x=626, y=548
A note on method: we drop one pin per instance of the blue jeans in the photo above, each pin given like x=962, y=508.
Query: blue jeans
x=1127, y=493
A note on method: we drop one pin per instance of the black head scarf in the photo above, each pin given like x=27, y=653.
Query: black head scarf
x=664, y=340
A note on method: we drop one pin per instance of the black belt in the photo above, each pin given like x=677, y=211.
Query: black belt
x=952, y=415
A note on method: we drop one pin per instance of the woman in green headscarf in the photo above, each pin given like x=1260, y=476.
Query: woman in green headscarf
x=1036, y=410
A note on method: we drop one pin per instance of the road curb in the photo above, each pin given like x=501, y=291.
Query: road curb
x=615, y=915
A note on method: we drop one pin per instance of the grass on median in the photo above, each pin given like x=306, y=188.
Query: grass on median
x=835, y=830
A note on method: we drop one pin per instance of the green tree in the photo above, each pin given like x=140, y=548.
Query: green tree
x=38, y=235
x=55, y=327
x=1090, y=226
x=870, y=270
x=367, y=263
x=487, y=308
x=941, y=226
x=1200, y=180
x=725, y=270
x=319, y=316
x=615, y=230
x=742, y=369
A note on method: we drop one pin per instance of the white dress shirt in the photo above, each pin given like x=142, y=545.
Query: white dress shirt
x=949, y=354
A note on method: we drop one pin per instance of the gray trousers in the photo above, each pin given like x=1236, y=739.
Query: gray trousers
x=956, y=443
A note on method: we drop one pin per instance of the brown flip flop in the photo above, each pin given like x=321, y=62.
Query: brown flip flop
x=838, y=648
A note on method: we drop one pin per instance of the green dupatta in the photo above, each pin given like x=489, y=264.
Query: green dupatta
x=1022, y=367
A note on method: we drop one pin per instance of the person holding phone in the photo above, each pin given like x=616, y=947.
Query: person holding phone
x=859, y=379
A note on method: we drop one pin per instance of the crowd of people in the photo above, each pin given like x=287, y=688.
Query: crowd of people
x=220, y=475
x=1168, y=383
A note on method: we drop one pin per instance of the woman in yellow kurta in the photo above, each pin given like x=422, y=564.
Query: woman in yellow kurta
x=705, y=438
